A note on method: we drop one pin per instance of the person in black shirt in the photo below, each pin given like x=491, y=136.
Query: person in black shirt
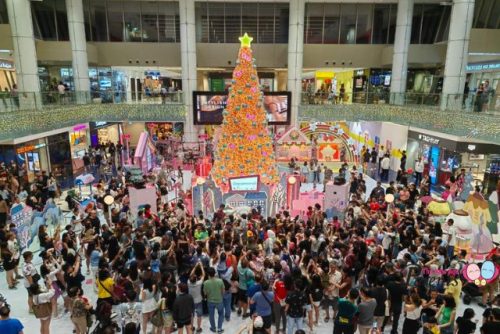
x=397, y=289
x=465, y=325
x=95, y=221
x=305, y=245
x=295, y=304
x=380, y=295
x=491, y=321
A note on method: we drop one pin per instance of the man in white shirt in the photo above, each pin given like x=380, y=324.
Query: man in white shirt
x=419, y=169
x=452, y=238
x=332, y=291
x=381, y=155
x=385, y=164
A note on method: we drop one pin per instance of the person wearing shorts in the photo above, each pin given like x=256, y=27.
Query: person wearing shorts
x=331, y=281
x=263, y=301
x=183, y=308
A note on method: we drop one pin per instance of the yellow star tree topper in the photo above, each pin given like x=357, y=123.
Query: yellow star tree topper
x=245, y=145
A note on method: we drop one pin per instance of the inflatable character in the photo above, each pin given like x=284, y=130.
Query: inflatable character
x=482, y=243
x=467, y=186
x=477, y=208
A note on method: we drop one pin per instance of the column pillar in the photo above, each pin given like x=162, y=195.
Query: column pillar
x=400, y=54
x=25, y=59
x=76, y=28
x=295, y=55
x=188, y=62
x=457, y=51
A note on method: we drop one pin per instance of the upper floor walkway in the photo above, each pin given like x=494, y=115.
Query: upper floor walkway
x=27, y=114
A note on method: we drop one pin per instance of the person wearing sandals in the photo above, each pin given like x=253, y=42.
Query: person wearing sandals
x=42, y=297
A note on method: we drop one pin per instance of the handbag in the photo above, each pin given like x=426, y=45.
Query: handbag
x=157, y=318
x=43, y=310
x=35, y=278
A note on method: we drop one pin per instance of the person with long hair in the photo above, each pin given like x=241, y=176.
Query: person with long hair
x=413, y=310
x=446, y=315
x=9, y=263
x=149, y=304
x=41, y=297
x=316, y=296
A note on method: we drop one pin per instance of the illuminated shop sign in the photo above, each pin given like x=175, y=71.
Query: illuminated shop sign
x=482, y=67
x=428, y=139
x=29, y=148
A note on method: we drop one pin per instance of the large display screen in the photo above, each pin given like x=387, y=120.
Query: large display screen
x=208, y=107
x=245, y=183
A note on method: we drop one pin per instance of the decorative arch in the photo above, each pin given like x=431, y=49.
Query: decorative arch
x=335, y=131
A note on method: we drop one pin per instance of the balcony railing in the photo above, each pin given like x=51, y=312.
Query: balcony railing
x=455, y=102
x=36, y=101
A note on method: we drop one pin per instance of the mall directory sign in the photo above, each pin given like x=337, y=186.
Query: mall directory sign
x=208, y=107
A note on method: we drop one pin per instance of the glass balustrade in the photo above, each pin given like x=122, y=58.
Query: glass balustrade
x=15, y=101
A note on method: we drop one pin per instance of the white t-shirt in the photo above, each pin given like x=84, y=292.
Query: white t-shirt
x=28, y=270
x=385, y=163
x=419, y=166
x=452, y=232
x=195, y=291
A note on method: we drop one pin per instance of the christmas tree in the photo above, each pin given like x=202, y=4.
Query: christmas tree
x=245, y=146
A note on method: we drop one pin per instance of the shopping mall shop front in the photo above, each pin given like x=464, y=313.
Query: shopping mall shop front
x=444, y=156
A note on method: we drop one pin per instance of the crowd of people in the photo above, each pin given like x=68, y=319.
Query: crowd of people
x=166, y=271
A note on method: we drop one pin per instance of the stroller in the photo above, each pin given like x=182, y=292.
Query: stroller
x=105, y=320
x=469, y=292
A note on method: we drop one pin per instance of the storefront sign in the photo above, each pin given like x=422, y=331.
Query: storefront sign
x=482, y=67
x=324, y=75
x=6, y=64
x=29, y=148
x=79, y=127
x=428, y=139
x=98, y=124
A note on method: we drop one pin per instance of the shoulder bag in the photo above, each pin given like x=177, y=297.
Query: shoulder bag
x=115, y=299
x=43, y=310
x=157, y=318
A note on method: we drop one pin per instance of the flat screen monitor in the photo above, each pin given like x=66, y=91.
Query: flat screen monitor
x=244, y=183
x=208, y=107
